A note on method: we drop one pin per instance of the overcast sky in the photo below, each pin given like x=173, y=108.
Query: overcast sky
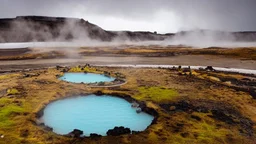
x=162, y=16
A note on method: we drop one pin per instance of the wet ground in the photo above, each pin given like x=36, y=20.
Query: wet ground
x=189, y=60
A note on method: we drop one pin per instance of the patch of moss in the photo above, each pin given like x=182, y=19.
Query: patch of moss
x=83, y=69
x=12, y=91
x=206, y=129
x=7, y=76
x=156, y=94
x=7, y=110
x=4, y=77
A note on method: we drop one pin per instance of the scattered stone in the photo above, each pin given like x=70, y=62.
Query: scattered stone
x=201, y=68
x=76, y=133
x=178, y=127
x=24, y=133
x=118, y=131
x=107, y=74
x=26, y=75
x=99, y=93
x=219, y=111
x=252, y=92
x=65, y=70
x=172, y=108
x=220, y=115
x=40, y=113
x=47, y=128
x=196, y=117
x=209, y=68
x=87, y=65
x=135, y=132
x=186, y=70
x=138, y=110
x=94, y=135
x=184, y=134
x=135, y=105
x=59, y=67
x=101, y=83
x=179, y=124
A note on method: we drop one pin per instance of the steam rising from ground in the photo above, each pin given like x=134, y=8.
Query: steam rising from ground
x=74, y=33
x=187, y=41
x=207, y=38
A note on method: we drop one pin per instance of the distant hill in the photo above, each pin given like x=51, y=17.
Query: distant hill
x=40, y=28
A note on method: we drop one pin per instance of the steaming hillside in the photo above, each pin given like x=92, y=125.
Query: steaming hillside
x=38, y=28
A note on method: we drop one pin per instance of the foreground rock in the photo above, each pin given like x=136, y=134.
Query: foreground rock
x=94, y=135
x=76, y=133
x=118, y=131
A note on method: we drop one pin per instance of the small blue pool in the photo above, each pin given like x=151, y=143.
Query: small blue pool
x=93, y=114
x=85, y=78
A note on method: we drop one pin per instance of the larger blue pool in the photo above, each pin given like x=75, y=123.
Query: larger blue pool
x=93, y=114
x=85, y=78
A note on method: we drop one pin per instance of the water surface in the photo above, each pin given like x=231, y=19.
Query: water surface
x=86, y=78
x=94, y=114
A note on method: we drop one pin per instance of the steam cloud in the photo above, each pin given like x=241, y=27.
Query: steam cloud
x=73, y=34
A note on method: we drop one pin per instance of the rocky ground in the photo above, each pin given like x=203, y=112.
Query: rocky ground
x=192, y=106
x=25, y=58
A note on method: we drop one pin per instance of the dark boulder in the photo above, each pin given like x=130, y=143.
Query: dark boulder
x=252, y=92
x=65, y=70
x=26, y=75
x=87, y=65
x=209, y=68
x=76, y=133
x=24, y=133
x=222, y=116
x=196, y=117
x=138, y=110
x=118, y=131
x=59, y=67
x=99, y=93
x=47, y=128
x=94, y=135
x=40, y=113
x=135, y=132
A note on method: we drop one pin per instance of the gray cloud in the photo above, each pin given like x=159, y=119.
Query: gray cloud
x=161, y=15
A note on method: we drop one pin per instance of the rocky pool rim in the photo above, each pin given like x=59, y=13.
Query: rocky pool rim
x=142, y=104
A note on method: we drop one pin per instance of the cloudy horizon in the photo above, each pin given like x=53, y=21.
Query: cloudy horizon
x=163, y=16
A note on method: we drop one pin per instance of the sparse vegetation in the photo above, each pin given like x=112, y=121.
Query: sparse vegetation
x=12, y=91
x=156, y=94
x=84, y=69
x=180, y=123
x=7, y=111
